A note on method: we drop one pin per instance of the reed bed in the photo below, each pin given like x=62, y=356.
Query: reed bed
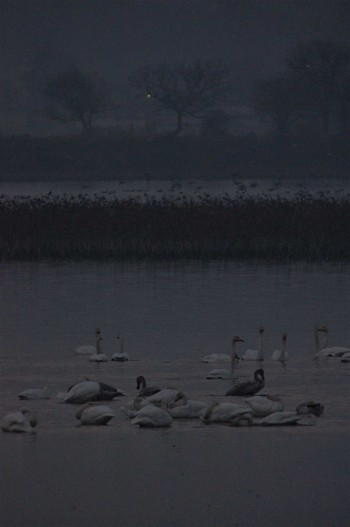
x=75, y=228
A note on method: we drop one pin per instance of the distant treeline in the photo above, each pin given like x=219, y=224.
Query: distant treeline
x=304, y=228
x=129, y=155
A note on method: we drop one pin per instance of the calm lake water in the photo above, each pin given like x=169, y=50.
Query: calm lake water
x=170, y=316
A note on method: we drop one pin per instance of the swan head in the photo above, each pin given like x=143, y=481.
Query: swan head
x=32, y=419
x=284, y=337
x=140, y=382
x=322, y=329
x=237, y=339
x=259, y=375
x=97, y=331
x=261, y=330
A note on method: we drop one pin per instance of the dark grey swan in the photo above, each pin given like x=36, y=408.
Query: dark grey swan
x=144, y=390
x=249, y=387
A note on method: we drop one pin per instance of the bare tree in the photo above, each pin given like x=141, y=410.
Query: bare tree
x=274, y=101
x=77, y=97
x=186, y=89
x=319, y=69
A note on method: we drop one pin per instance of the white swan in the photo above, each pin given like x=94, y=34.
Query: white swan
x=144, y=390
x=120, y=355
x=217, y=357
x=168, y=397
x=21, y=421
x=152, y=417
x=275, y=419
x=131, y=408
x=188, y=409
x=329, y=351
x=281, y=355
x=263, y=406
x=87, y=349
x=82, y=392
x=91, y=414
x=249, y=387
x=98, y=356
x=279, y=418
x=256, y=354
x=220, y=373
x=34, y=393
x=223, y=412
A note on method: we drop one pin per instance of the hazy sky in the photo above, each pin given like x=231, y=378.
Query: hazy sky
x=116, y=37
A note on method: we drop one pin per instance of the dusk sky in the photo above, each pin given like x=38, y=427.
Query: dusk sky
x=116, y=37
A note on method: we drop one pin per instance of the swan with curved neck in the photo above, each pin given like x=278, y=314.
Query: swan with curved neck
x=144, y=390
x=249, y=387
x=281, y=355
x=328, y=351
x=256, y=354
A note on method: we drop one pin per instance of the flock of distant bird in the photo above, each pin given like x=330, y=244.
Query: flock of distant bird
x=156, y=407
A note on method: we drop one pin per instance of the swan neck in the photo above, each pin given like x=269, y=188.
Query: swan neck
x=233, y=357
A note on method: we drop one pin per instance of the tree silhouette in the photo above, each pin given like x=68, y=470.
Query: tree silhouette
x=186, y=89
x=274, y=100
x=320, y=69
x=76, y=97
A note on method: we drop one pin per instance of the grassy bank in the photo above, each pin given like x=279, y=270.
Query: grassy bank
x=304, y=228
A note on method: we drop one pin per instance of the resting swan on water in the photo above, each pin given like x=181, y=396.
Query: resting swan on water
x=223, y=373
x=186, y=408
x=86, y=391
x=34, y=393
x=91, y=414
x=223, y=412
x=256, y=354
x=151, y=416
x=249, y=387
x=328, y=351
x=19, y=422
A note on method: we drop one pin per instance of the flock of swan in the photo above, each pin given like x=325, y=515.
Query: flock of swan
x=158, y=407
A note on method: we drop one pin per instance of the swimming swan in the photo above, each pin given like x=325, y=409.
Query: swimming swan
x=19, y=422
x=98, y=356
x=256, y=354
x=144, y=390
x=120, y=355
x=88, y=349
x=328, y=351
x=223, y=373
x=91, y=414
x=249, y=387
x=152, y=417
x=281, y=355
